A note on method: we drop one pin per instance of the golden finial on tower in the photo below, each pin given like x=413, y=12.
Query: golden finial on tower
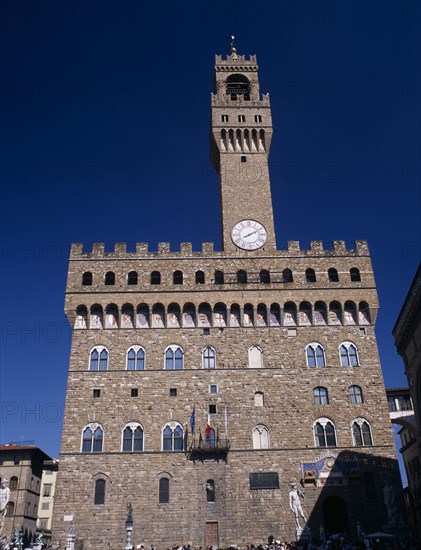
x=233, y=49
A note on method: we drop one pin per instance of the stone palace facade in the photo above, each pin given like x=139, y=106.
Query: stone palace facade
x=202, y=384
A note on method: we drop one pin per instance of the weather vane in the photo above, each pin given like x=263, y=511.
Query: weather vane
x=233, y=49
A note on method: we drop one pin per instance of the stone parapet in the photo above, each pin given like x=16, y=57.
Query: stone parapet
x=97, y=250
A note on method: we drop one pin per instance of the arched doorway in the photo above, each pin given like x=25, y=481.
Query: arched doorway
x=335, y=515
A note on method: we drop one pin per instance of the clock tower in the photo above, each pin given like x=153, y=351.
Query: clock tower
x=241, y=137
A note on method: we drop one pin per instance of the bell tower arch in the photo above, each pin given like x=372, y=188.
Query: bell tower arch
x=241, y=137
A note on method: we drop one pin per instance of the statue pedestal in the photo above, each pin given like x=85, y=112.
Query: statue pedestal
x=303, y=533
x=129, y=545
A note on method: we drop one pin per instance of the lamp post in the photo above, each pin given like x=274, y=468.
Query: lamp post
x=129, y=528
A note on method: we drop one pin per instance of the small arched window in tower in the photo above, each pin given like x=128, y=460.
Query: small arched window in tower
x=13, y=485
x=241, y=276
x=219, y=277
x=364, y=313
x=177, y=278
x=10, y=509
x=210, y=490
x=87, y=279
x=287, y=276
x=264, y=276
x=310, y=276
x=259, y=399
x=109, y=278
x=355, y=275
x=333, y=275
x=132, y=278
x=320, y=396
x=99, y=497
x=238, y=85
x=355, y=395
x=164, y=490
x=200, y=277
x=155, y=278
x=290, y=314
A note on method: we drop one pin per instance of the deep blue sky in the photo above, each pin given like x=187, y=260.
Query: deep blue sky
x=105, y=138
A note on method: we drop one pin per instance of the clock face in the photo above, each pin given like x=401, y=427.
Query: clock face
x=249, y=235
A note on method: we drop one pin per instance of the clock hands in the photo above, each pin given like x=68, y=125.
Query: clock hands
x=250, y=234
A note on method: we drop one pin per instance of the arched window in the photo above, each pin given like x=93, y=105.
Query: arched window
x=135, y=358
x=238, y=85
x=177, y=278
x=350, y=313
x=355, y=395
x=210, y=490
x=155, y=278
x=348, y=354
x=304, y=314
x=200, y=278
x=287, y=276
x=99, y=497
x=248, y=317
x=361, y=433
x=127, y=316
x=174, y=358
x=320, y=396
x=241, y=276
x=174, y=316
x=173, y=437
x=87, y=279
x=255, y=357
x=335, y=313
x=259, y=399
x=220, y=315
x=111, y=316
x=310, y=276
x=164, y=490
x=204, y=315
x=142, y=316
x=208, y=358
x=96, y=316
x=290, y=314
x=324, y=433
x=10, y=510
x=109, y=278
x=189, y=315
x=132, y=278
x=333, y=275
x=132, y=438
x=13, y=485
x=81, y=317
x=158, y=316
x=98, y=358
x=219, y=277
x=264, y=276
x=260, y=437
x=364, y=313
x=320, y=313
x=92, y=438
x=355, y=275
x=315, y=355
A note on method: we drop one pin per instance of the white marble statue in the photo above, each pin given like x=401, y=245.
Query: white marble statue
x=295, y=505
x=4, y=499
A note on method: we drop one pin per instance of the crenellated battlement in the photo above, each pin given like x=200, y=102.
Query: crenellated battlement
x=236, y=62
x=338, y=248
